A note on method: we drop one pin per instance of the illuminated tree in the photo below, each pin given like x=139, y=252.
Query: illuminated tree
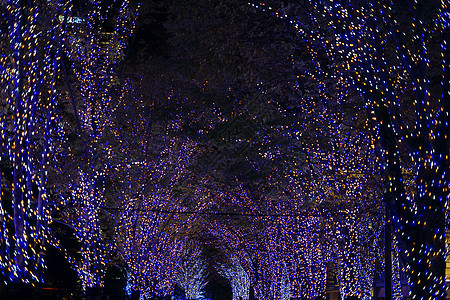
x=237, y=276
x=309, y=279
x=354, y=224
x=339, y=172
x=191, y=276
x=260, y=248
x=356, y=255
x=234, y=239
x=274, y=265
x=30, y=38
x=145, y=233
x=149, y=166
x=344, y=51
x=370, y=46
x=387, y=52
x=95, y=46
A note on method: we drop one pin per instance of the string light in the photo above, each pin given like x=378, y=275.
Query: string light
x=95, y=56
x=389, y=67
x=29, y=67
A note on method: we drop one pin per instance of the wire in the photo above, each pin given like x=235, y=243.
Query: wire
x=218, y=213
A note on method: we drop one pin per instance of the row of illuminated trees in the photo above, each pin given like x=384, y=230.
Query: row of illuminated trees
x=279, y=170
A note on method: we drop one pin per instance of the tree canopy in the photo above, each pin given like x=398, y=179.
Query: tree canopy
x=266, y=143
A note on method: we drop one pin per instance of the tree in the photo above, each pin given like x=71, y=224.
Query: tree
x=146, y=231
x=398, y=76
x=238, y=277
x=95, y=47
x=313, y=140
x=30, y=38
x=356, y=254
x=369, y=47
x=191, y=275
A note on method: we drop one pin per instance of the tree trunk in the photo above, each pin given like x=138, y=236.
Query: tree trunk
x=387, y=255
x=420, y=222
x=18, y=146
